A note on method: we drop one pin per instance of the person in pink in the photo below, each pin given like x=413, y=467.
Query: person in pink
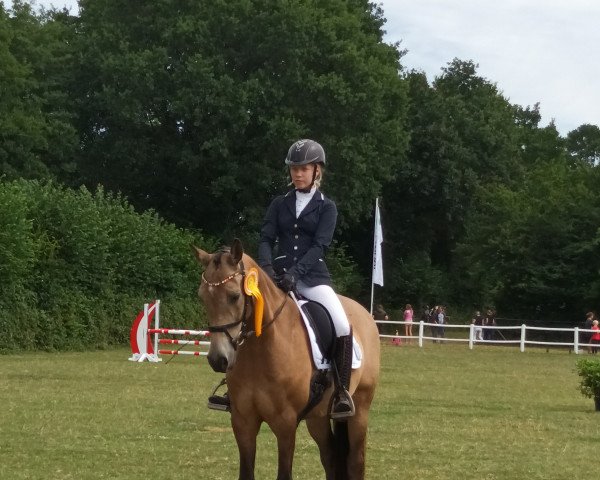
x=595, y=340
x=408, y=318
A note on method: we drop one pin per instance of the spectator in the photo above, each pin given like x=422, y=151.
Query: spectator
x=425, y=314
x=587, y=325
x=489, y=321
x=477, y=320
x=408, y=318
x=433, y=319
x=441, y=320
x=380, y=314
x=595, y=338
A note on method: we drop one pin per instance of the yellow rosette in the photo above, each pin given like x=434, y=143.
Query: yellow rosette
x=251, y=288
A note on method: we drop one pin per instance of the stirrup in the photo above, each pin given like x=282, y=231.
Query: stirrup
x=342, y=396
x=218, y=402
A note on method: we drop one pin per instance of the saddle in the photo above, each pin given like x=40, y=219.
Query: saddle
x=320, y=320
x=323, y=334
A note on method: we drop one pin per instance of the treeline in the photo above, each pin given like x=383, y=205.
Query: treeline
x=188, y=107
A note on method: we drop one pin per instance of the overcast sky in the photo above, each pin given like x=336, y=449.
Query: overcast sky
x=545, y=51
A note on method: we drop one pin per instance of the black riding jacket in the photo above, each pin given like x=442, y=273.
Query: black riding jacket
x=304, y=240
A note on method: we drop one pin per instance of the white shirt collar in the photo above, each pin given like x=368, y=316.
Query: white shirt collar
x=302, y=199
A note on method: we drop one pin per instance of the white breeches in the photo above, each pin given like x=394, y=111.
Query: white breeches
x=325, y=295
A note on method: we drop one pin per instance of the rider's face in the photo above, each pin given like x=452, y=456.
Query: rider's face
x=302, y=175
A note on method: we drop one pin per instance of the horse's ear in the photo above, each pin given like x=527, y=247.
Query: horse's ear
x=202, y=256
x=237, y=250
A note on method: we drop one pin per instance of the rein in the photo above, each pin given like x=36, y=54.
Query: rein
x=244, y=332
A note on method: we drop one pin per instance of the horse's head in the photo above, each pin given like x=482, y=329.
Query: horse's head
x=221, y=291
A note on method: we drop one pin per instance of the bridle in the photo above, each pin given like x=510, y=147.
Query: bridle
x=244, y=332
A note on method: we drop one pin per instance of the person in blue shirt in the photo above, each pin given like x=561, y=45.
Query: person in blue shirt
x=299, y=227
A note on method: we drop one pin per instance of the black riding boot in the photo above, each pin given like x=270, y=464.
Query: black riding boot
x=219, y=402
x=343, y=406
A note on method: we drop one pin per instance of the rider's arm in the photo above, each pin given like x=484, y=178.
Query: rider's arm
x=268, y=236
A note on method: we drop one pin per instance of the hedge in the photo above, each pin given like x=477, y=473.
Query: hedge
x=76, y=266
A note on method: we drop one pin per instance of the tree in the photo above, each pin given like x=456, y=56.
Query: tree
x=463, y=137
x=535, y=245
x=583, y=143
x=536, y=144
x=192, y=113
x=37, y=138
x=21, y=124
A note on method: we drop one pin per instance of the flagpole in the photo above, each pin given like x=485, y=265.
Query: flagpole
x=372, y=288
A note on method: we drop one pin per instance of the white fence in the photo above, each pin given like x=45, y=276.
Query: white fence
x=522, y=341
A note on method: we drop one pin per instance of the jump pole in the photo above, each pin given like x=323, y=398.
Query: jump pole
x=172, y=341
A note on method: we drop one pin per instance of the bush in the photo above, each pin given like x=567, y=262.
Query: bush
x=77, y=266
x=589, y=371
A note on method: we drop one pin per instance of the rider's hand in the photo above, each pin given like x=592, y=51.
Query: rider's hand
x=286, y=281
x=268, y=269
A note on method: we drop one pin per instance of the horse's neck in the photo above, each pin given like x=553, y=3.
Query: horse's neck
x=281, y=319
x=279, y=308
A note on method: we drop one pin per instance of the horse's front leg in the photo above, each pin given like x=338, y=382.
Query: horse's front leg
x=284, y=429
x=320, y=430
x=245, y=430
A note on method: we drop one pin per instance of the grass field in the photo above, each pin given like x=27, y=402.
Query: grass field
x=441, y=412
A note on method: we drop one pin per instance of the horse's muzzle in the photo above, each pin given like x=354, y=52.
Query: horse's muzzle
x=218, y=362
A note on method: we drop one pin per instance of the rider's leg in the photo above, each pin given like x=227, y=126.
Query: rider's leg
x=325, y=295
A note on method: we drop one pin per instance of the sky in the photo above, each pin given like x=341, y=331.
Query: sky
x=545, y=51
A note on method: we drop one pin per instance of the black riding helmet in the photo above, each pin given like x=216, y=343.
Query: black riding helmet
x=304, y=152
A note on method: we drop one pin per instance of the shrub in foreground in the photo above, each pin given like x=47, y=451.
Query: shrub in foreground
x=589, y=371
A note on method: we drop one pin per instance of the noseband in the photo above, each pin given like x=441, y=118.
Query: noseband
x=235, y=342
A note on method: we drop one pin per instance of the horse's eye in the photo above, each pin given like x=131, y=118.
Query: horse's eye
x=233, y=297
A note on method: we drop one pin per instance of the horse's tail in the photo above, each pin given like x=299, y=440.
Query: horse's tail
x=341, y=447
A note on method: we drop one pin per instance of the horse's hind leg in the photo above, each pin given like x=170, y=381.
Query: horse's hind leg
x=245, y=431
x=320, y=431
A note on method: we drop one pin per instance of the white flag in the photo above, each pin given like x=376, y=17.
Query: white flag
x=378, y=240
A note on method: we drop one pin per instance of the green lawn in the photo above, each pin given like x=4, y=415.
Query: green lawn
x=441, y=412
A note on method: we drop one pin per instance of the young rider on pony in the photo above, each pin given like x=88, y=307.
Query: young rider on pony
x=303, y=222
